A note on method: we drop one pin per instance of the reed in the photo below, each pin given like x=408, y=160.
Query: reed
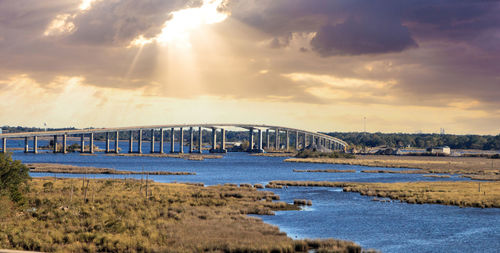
x=170, y=218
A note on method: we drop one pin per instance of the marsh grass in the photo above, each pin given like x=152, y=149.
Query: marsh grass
x=103, y=215
x=478, y=168
x=327, y=171
x=70, y=169
x=463, y=193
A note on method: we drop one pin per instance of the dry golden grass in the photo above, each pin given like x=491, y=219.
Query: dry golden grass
x=276, y=154
x=71, y=215
x=327, y=171
x=464, y=194
x=188, y=156
x=70, y=169
x=484, y=168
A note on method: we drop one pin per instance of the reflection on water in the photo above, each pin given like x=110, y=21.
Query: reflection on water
x=387, y=226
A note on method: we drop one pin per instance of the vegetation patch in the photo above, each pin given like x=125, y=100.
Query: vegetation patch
x=327, y=171
x=70, y=169
x=104, y=215
x=316, y=154
x=473, y=167
x=463, y=193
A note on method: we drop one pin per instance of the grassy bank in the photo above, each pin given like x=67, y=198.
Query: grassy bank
x=464, y=194
x=327, y=171
x=188, y=156
x=473, y=167
x=71, y=215
x=70, y=169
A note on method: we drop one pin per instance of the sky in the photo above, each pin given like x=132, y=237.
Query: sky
x=323, y=65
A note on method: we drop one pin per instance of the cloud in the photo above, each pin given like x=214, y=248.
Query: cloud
x=362, y=36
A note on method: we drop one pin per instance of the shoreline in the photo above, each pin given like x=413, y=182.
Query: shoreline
x=471, y=167
x=70, y=169
x=458, y=193
x=159, y=217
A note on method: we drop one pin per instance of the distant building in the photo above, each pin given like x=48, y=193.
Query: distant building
x=440, y=150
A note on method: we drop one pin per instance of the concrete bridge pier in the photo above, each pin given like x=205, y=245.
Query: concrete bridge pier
x=223, y=141
x=139, y=142
x=250, y=140
x=214, y=140
x=131, y=142
x=287, y=144
x=296, y=140
x=172, y=140
x=152, y=141
x=4, y=145
x=55, y=144
x=91, y=143
x=268, y=138
x=82, y=143
x=259, y=141
x=181, y=141
x=107, y=142
x=200, y=140
x=26, y=146
x=35, y=144
x=117, y=140
x=162, y=134
x=277, y=139
x=64, y=145
x=191, y=140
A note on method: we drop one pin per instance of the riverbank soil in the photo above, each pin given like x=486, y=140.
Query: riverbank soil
x=458, y=193
x=77, y=215
x=478, y=168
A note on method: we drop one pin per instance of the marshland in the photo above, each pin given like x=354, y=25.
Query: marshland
x=334, y=213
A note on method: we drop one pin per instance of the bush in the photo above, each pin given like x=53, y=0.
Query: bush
x=14, y=177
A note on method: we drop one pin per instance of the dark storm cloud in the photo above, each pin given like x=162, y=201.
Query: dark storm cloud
x=362, y=36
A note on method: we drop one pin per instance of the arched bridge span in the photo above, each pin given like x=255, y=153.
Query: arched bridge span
x=259, y=138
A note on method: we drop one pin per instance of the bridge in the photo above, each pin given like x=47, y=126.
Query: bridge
x=258, y=144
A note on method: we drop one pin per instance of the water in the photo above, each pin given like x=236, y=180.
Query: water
x=386, y=226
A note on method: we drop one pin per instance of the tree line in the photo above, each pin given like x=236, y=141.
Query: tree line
x=401, y=140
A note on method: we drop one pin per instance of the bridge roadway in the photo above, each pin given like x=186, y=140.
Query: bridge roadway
x=302, y=138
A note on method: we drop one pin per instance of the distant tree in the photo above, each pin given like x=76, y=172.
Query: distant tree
x=14, y=178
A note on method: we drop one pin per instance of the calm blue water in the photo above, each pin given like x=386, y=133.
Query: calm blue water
x=388, y=226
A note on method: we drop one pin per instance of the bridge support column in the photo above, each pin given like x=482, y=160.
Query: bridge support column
x=277, y=139
x=162, y=133
x=152, y=141
x=26, y=145
x=4, y=145
x=191, y=140
x=131, y=142
x=296, y=140
x=214, y=140
x=250, y=140
x=200, y=140
x=139, y=142
x=223, y=140
x=181, y=141
x=268, y=138
x=64, y=146
x=117, y=141
x=305, y=141
x=82, y=143
x=107, y=142
x=55, y=144
x=287, y=144
x=259, y=141
x=91, y=143
x=172, y=140
x=35, y=144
